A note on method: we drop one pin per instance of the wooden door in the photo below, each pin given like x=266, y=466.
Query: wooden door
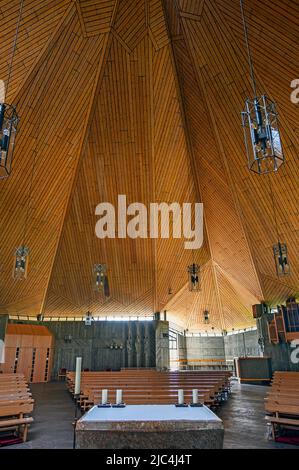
x=25, y=360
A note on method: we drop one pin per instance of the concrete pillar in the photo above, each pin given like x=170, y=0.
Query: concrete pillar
x=3, y=324
x=162, y=345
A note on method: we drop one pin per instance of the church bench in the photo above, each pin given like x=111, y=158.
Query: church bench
x=16, y=404
x=150, y=386
x=282, y=401
x=19, y=423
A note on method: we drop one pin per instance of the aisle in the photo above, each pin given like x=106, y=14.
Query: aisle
x=53, y=416
x=244, y=419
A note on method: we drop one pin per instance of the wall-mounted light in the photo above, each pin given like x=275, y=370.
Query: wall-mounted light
x=88, y=319
x=116, y=346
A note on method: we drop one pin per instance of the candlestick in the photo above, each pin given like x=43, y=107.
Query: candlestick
x=119, y=397
x=195, y=403
x=104, y=397
x=78, y=376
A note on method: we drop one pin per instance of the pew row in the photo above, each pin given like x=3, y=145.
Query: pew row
x=282, y=403
x=16, y=405
x=151, y=386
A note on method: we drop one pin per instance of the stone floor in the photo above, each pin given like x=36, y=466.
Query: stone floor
x=243, y=418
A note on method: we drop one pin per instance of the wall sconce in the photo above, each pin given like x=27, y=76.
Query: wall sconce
x=88, y=319
x=116, y=346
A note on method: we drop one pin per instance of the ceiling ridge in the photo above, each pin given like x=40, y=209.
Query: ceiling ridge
x=190, y=149
x=46, y=50
x=82, y=145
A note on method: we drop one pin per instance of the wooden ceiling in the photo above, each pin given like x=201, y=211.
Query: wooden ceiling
x=143, y=98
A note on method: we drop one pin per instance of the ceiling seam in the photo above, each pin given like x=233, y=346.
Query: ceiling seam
x=224, y=159
x=189, y=143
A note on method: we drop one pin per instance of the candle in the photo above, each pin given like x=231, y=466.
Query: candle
x=119, y=397
x=104, y=397
x=195, y=396
x=78, y=376
x=181, y=397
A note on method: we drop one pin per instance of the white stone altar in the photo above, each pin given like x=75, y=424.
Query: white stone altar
x=149, y=427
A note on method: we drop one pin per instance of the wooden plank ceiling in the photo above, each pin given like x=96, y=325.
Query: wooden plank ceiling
x=143, y=98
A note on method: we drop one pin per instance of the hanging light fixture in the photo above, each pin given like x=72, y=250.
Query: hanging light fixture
x=280, y=250
x=260, y=124
x=194, y=277
x=21, y=263
x=206, y=316
x=101, y=283
x=8, y=117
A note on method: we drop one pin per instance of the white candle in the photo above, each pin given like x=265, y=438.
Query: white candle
x=181, y=397
x=104, y=397
x=119, y=397
x=195, y=396
x=78, y=376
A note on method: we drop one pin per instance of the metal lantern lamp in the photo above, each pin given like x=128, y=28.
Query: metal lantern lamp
x=194, y=277
x=260, y=124
x=206, y=316
x=262, y=137
x=21, y=262
x=282, y=265
x=8, y=116
x=101, y=283
x=8, y=128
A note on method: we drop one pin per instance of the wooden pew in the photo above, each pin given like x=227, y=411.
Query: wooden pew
x=16, y=404
x=282, y=402
x=150, y=386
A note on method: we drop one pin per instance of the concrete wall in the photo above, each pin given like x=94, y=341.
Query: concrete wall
x=218, y=347
x=92, y=344
x=242, y=344
x=200, y=347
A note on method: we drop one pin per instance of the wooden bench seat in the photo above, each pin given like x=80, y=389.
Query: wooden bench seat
x=16, y=404
x=282, y=401
x=21, y=424
x=150, y=386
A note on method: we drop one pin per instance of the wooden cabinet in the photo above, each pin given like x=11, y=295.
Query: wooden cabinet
x=28, y=350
